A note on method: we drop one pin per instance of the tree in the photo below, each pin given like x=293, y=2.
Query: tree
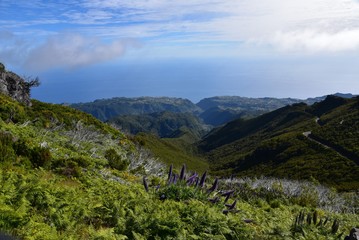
x=2, y=68
x=32, y=82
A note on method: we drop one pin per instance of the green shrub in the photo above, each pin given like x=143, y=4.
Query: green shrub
x=2, y=68
x=180, y=192
x=10, y=110
x=40, y=157
x=6, y=150
x=69, y=167
x=21, y=148
x=115, y=160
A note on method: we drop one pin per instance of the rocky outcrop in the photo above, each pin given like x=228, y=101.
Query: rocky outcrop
x=354, y=234
x=14, y=86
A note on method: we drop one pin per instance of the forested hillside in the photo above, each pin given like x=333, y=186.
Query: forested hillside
x=162, y=124
x=297, y=141
x=106, y=109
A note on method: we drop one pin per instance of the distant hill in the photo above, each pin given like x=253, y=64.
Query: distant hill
x=106, y=109
x=296, y=141
x=244, y=103
x=146, y=114
x=162, y=124
x=222, y=109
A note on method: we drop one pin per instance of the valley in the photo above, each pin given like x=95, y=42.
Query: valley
x=66, y=174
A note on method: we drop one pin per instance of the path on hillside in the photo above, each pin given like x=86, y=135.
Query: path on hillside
x=347, y=155
x=307, y=135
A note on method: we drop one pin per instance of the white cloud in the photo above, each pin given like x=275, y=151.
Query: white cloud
x=73, y=50
x=59, y=51
x=310, y=25
x=314, y=41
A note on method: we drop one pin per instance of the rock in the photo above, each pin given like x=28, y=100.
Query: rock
x=15, y=87
x=354, y=234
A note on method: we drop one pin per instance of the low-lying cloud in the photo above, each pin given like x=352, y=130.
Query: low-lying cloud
x=60, y=51
x=316, y=41
x=73, y=50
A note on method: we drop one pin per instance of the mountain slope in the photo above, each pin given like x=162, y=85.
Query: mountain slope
x=162, y=124
x=222, y=109
x=106, y=109
x=273, y=144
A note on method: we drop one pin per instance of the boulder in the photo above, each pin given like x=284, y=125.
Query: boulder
x=354, y=234
x=15, y=87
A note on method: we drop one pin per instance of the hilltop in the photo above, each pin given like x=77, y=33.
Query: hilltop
x=105, y=109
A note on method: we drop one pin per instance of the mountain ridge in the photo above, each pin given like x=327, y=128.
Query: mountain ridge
x=273, y=144
x=214, y=111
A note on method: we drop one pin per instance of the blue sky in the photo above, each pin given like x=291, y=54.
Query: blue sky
x=90, y=49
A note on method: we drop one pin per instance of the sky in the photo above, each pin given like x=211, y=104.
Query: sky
x=90, y=49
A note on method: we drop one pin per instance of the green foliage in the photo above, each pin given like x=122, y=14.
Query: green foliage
x=107, y=109
x=40, y=157
x=162, y=124
x=115, y=160
x=180, y=192
x=11, y=111
x=172, y=151
x=70, y=167
x=2, y=68
x=274, y=144
x=6, y=150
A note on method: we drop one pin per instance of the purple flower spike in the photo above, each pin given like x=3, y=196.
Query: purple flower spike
x=174, y=179
x=228, y=193
x=197, y=181
x=214, y=200
x=231, y=206
x=170, y=173
x=191, y=179
x=183, y=170
x=214, y=186
x=145, y=184
x=203, y=179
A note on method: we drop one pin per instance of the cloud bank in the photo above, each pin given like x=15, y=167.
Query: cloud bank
x=315, y=41
x=61, y=51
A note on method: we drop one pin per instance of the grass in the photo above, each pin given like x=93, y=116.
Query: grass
x=173, y=152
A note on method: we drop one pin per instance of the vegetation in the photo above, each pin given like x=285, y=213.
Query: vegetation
x=162, y=124
x=106, y=109
x=66, y=175
x=274, y=144
x=41, y=204
x=174, y=151
x=2, y=68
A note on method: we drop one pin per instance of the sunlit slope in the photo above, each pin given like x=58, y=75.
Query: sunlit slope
x=274, y=144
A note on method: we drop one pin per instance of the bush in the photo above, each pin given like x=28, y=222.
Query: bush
x=70, y=167
x=6, y=150
x=115, y=160
x=40, y=157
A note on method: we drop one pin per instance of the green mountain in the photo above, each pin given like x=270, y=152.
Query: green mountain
x=162, y=124
x=145, y=114
x=223, y=109
x=296, y=141
x=106, y=109
x=66, y=175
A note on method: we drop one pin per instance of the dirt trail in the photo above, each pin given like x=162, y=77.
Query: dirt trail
x=307, y=135
x=341, y=153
